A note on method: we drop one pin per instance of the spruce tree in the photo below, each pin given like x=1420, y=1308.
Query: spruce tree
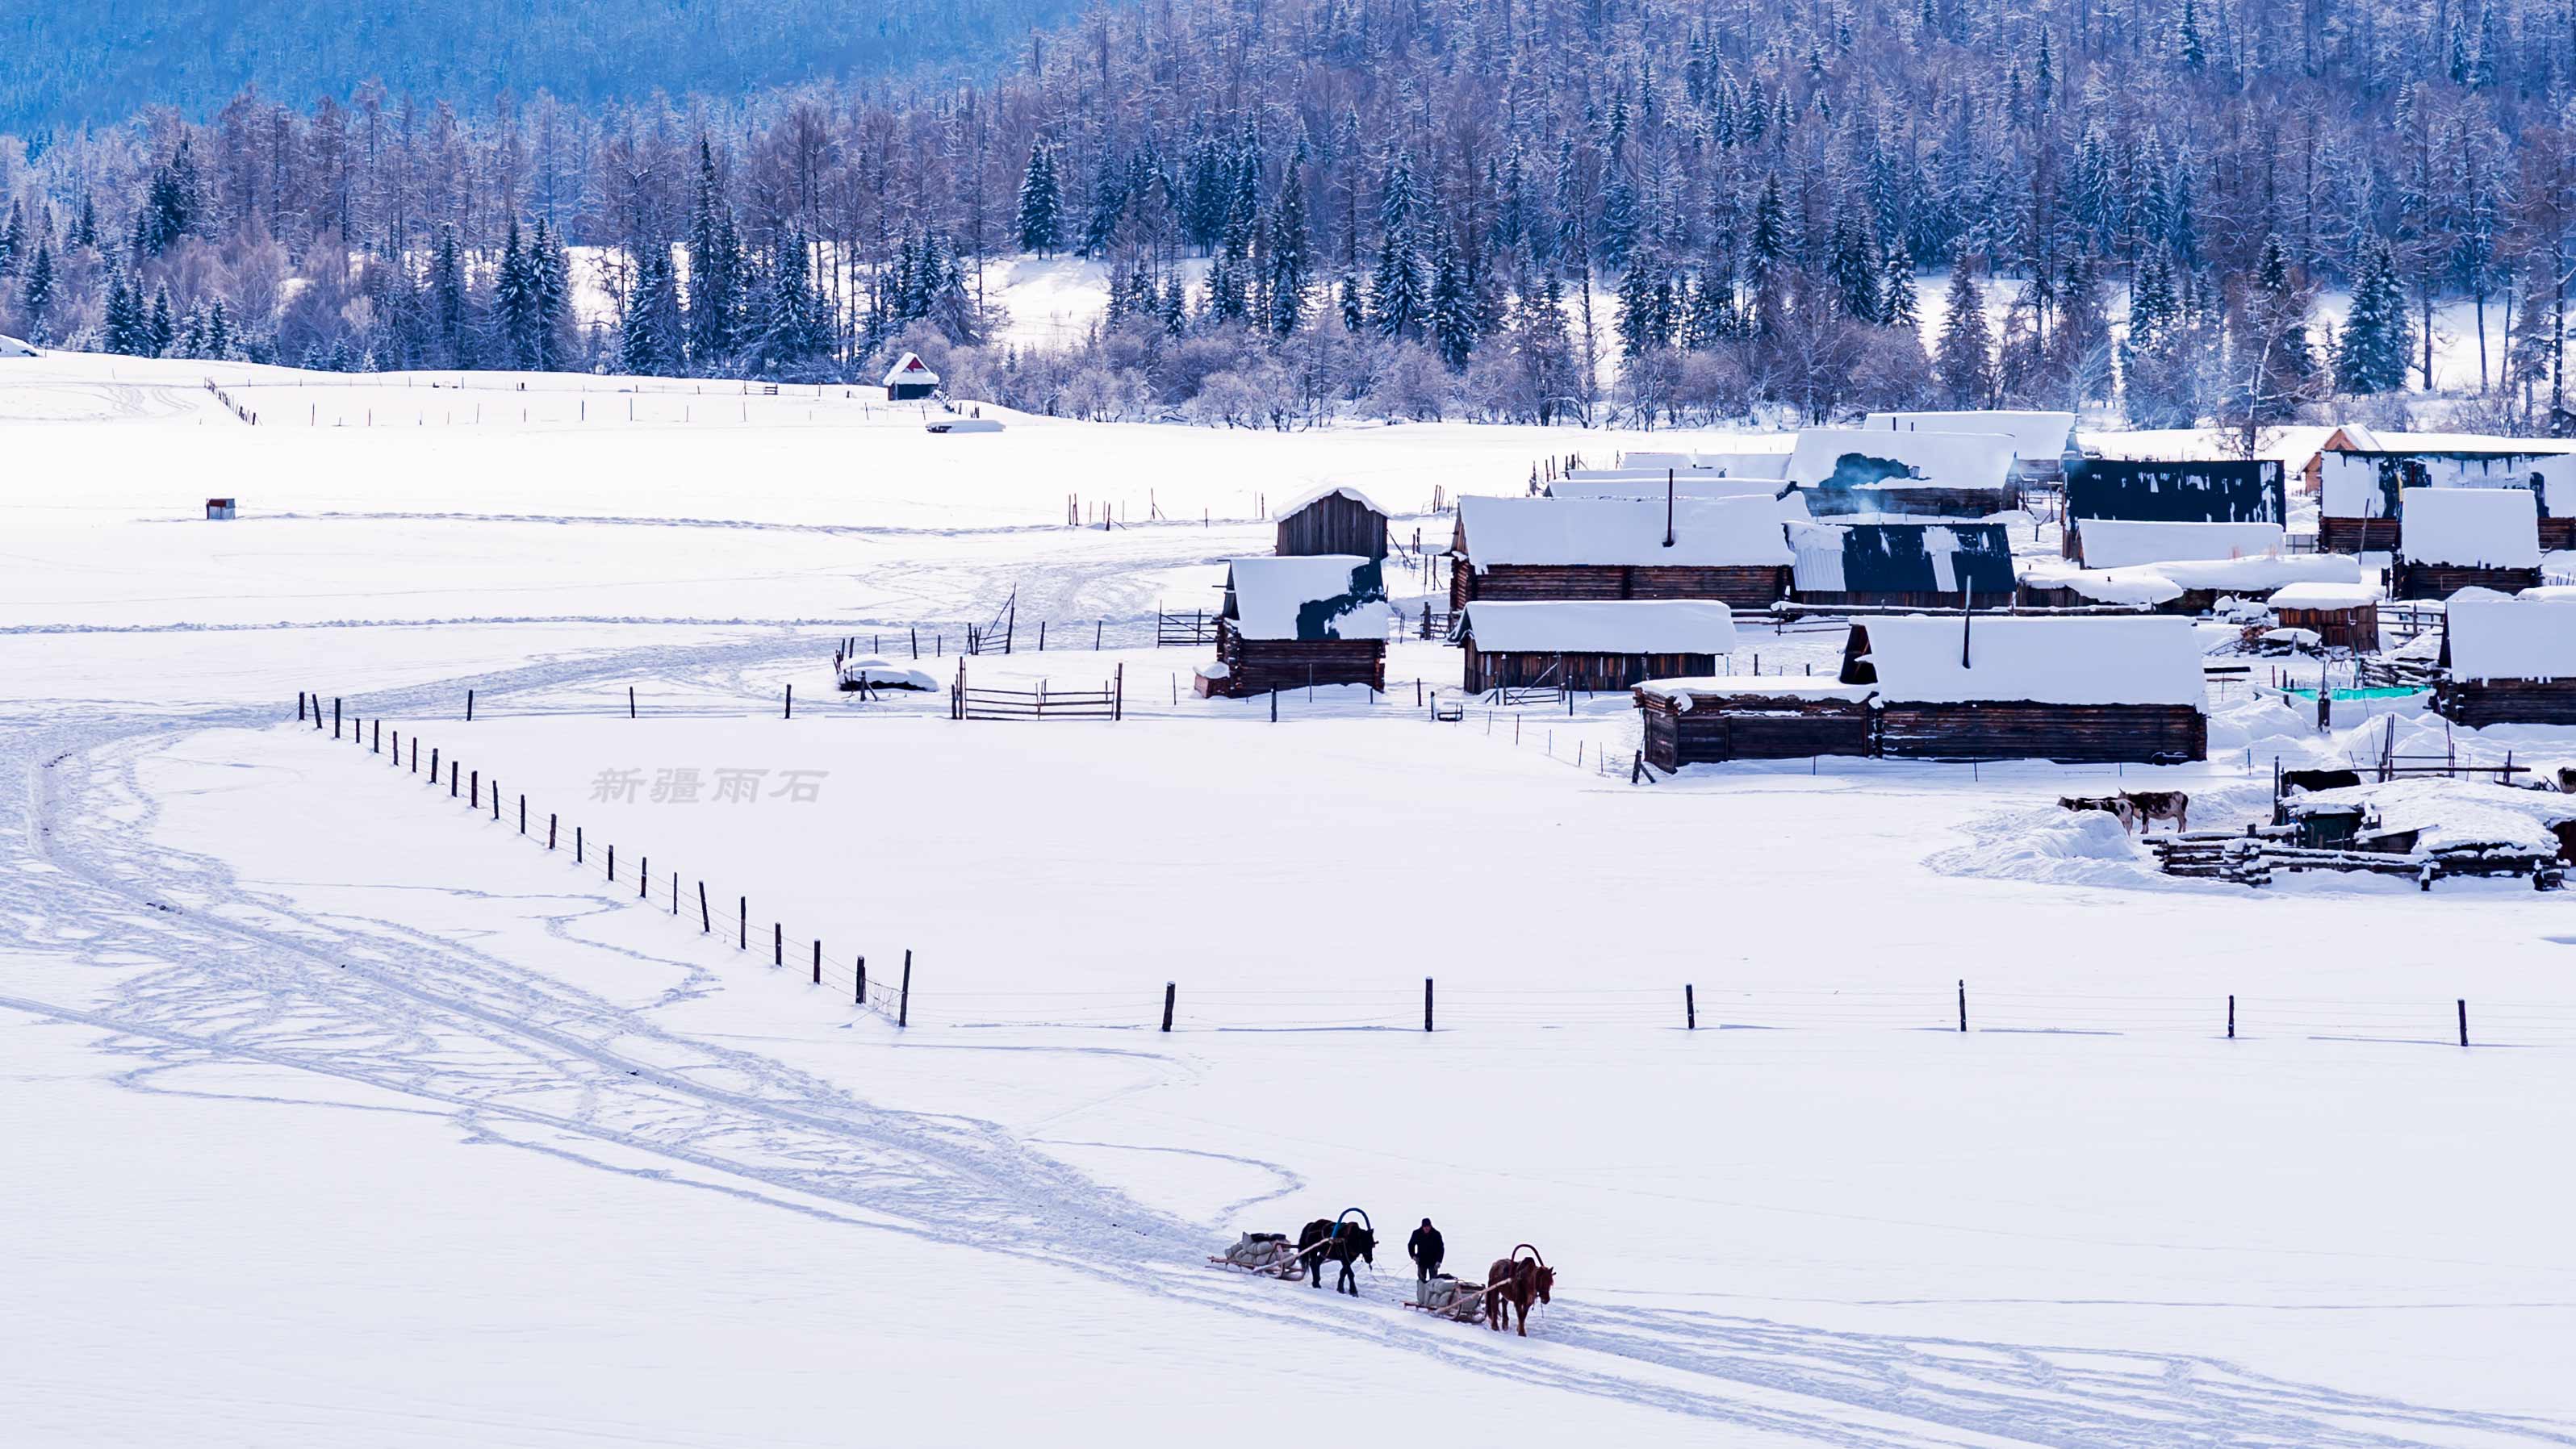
x=37, y=297
x=127, y=329
x=514, y=306
x=553, y=272
x=162, y=329
x=1108, y=203
x=450, y=305
x=1855, y=271
x=650, y=333
x=715, y=273
x=13, y=241
x=1452, y=320
x=1897, y=305
x=1288, y=262
x=1964, y=363
x=2378, y=336
x=1041, y=222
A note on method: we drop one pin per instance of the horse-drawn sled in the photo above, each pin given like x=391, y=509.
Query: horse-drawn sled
x=1510, y=1286
x=1325, y=1240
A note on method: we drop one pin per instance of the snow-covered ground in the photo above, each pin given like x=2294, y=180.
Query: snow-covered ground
x=338, y=1111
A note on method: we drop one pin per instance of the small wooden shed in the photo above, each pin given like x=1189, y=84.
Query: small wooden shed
x=2462, y=538
x=2344, y=616
x=221, y=508
x=1751, y=717
x=1903, y=565
x=2085, y=689
x=909, y=379
x=1337, y=520
x=1732, y=550
x=2509, y=661
x=1590, y=645
x=1292, y=622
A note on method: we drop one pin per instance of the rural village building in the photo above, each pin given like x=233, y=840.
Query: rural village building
x=1875, y=472
x=1731, y=550
x=909, y=379
x=1590, y=645
x=2066, y=689
x=2041, y=441
x=2509, y=660
x=2466, y=538
x=2361, y=502
x=1337, y=520
x=2168, y=491
x=1292, y=622
x=2343, y=616
x=1905, y=565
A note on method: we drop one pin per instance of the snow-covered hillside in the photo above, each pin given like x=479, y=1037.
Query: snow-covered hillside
x=341, y=1110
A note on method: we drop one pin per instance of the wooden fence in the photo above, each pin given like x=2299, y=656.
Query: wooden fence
x=1108, y=702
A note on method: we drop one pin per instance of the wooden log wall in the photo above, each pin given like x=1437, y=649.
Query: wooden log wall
x=2478, y=704
x=1261, y=666
x=2357, y=535
x=1751, y=586
x=1593, y=673
x=2069, y=734
x=2412, y=580
x=2558, y=533
x=1751, y=727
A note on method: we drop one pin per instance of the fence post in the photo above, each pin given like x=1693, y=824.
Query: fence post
x=496, y=799
x=475, y=800
x=1426, y=1003
x=550, y=830
x=335, y=716
x=376, y=738
x=576, y=845
x=903, y=1009
x=630, y=701
x=791, y=703
x=742, y=929
x=777, y=944
x=612, y=862
x=523, y=813
x=1690, y=1007
x=643, y=877
x=2464, y=1021
x=2231, y=1016
x=706, y=922
x=818, y=963
x=859, y=994
x=452, y=767
x=1963, y=1004
x=1171, y=990
x=299, y=706
x=469, y=706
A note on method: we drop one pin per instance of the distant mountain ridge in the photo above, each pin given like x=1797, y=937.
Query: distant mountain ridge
x=97, y=62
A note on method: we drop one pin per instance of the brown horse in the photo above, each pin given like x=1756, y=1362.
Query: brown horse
x=1516, y=1281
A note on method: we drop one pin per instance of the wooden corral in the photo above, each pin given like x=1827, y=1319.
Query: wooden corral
x=1594, y=647
x=1704, y=721
x=1338, y=520
x=2085, y=689
x=1292, y=622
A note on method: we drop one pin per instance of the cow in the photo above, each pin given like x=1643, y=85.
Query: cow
x=2150, y=806
x=2319, y=779
x=2108, y=804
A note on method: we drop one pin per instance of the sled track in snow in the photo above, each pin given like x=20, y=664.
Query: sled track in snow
x=192, y=970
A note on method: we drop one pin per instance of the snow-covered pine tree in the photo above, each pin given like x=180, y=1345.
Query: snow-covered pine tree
x=1964, y=363
x=715, y=273
x=1452, y=320
x=162, y=328
x=1041, y=215
x=553, y=272
x=515, y=324
x=451, y=304
x=2373, y=353
x=37, y=297
x=1288, y=262
x=1897, y=305
x=651, y=334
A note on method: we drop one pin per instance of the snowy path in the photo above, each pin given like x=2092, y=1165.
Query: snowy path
x=184, y=969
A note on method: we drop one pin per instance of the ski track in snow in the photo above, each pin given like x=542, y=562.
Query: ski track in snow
x=190, y=970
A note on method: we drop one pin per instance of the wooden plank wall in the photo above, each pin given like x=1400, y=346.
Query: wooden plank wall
x=1333, y=524
x=1593, y=673
x=1752, y=727
x=2411, y=580
x=1260, y=666
x=2357, y=535
x=2356, y=629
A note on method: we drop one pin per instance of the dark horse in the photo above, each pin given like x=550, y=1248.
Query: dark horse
x=1342, y=1242
x=1516, y=1281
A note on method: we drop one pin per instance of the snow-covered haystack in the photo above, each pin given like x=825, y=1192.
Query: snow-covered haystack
x=2050, y=845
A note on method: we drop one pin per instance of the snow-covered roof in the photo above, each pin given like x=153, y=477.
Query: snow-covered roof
x=2360, y=439
x=2364, y=485
x=2039, y=436
x=1789, y=686
x=2449, y=814
x=1901, y=557
x=1748, y=445
x=2523, y=638
x=1685, y=485
x=2111, y=543
x=1625, y=532
x=2324, y=596
x=1848, y=457
x=2471, y=527
x=12, y=347
x=2167, y=579
x=2073, y=661
x=1313, y=596
x=2294, y=446
x=1327, y=491
x=910, y=370
x=1600, y=626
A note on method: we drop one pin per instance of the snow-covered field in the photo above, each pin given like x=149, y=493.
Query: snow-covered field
x=341, y=1112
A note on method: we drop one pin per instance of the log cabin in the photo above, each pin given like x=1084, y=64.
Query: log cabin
x=2466, y=538
x=2041, y=441
x=2361, y=507
x=1590, y=645
x=2176, y=491
x=2509, y=661
x=1707, y=720
x=1731, y=550
x=2091, y=689
x=2343, y=616
x=1337, y=520
x=1292, y=622
x=1904, y=565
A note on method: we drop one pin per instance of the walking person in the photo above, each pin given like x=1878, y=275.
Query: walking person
x=1426, y=1250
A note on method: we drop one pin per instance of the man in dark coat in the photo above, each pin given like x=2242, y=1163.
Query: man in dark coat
x=1426, y=1250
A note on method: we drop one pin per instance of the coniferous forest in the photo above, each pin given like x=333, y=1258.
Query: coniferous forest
x=1538, y=210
